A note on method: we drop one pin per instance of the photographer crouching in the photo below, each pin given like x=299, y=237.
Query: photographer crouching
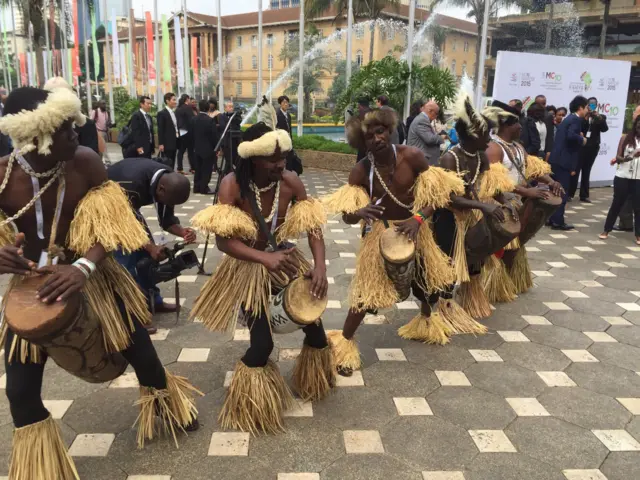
x=148, y=182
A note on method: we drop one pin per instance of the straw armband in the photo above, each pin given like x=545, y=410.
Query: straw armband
x=304, y=216
x=434, y=187
x=347, y=199
x=225, y=221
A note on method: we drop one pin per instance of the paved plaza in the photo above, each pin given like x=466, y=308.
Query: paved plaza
x=551, y=392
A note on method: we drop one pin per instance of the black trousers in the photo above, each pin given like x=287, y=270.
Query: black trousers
x=261, y=340
x=624, y=189
x=563, y=176
x=24, y=380
x=445, y=232
x=185, y=145
x=170, y=156
x=588, y=156
x=203, y=170
x=626, y=215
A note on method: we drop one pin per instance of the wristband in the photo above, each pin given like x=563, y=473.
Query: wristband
x=419, y=218
x=80, y=267
x=88, y=264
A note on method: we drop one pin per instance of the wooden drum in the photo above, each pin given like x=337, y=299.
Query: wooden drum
x=294, y=307
x=65, y=330
x=399, y=254
x=535, y=213
x=488, y=236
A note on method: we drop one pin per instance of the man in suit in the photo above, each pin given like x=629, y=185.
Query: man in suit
x=168, y=134
x=142, y=131
x=205, y=138
x=283, y=117
x=566, y=155
x=423, y=135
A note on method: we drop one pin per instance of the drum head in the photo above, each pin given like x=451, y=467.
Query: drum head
x=303, y=307
x=29, y=317
x=553, y=200
x=396, y=247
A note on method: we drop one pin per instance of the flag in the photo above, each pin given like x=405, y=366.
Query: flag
x=151, y=63
x=94, y=44
x=194, y=60
x=76, y=46
x=166, y=51
x=179, y=57
x=52, y=23
x=115, y=44
x=23, y=69
x=45, y=54
x=32, y=80
x=123, y=64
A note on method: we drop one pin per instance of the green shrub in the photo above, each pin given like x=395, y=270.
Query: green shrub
x=320, y=144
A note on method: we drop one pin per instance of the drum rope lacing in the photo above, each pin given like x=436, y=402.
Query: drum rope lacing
x=460, y=174
x=274, y=206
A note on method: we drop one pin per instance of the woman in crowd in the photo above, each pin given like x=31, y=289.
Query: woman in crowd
x=626, y=183
x=534, y=131
x=561, y=112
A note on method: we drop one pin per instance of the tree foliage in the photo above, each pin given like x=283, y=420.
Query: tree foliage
x=391, y=77
x=339, y=84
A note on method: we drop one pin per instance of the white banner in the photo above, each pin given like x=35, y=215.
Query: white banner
x=525, y=75
x=115, y=45
x=123, y=64
x=179, y=57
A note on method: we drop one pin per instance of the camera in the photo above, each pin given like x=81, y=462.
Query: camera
x=158, y=272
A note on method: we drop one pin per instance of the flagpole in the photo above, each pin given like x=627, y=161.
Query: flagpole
x=483, y=55
x=45, y=20
x=186, y=51
x=108, y=67
x=132, y=79
x=349, y=40
x=412, y=20
x=156, y=51
x=87, y=67
x=300, y=69
x=5, y=58
x=15, y=48
x=63, y=40
x=220, y=59
x=259, y=89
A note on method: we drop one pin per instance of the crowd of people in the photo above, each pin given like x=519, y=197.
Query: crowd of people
x=445, y=217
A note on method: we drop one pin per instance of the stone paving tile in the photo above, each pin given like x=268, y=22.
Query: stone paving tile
x=509, y=466
x=471, y=408
x=605, y=379
x=621, y=466
x=505, y=379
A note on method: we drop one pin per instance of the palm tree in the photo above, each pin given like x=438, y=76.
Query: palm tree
x=370, y=9
x=476, y=12
x=605, y=21
x=439, y=37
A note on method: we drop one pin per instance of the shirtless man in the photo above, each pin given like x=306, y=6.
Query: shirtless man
x=40, y=124
x=382, y=190
x=251, y=266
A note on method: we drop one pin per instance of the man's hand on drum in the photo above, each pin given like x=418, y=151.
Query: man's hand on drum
x=281, y=262
x=12, y=258
x=494, y=211
x=534, y=192
x=319, y=282
x=409, y=227
x=371, y=212
x=556, y=188
x=63, y=281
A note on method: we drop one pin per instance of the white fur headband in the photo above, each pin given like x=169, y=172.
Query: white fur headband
x=40, y=124
x=265, y=146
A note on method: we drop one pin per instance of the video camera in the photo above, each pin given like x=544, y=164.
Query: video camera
x=158, y=272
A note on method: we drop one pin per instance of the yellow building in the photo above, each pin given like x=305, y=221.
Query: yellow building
x=240, y=47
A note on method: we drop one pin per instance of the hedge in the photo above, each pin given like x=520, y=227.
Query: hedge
x=319, y=143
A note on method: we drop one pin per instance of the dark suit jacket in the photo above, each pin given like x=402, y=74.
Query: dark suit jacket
x=166, y=130
x=282, y=122
x=142, y=138
x=568, y=143
x=551, y=127
x=205, y=135
x=184, y=116
x=88, y=135
x=529, y=136
x=597, y=127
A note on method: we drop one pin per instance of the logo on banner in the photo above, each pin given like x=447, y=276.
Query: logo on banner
x=552, y=80
x=513, y=79
x=586, y=78
x=608, y=84
x=526, y=79
x=608, y=109
x=604, y=149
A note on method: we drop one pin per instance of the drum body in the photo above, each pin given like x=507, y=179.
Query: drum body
x=488, y=236
x=534, y=213
x=294, y=307
x=67, y=331
x=398, y=253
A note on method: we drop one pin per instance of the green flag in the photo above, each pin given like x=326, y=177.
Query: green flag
x=94, y=43
x=166, y=54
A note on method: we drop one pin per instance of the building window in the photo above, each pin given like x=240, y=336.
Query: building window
x=295, y=3
x=284, y=4
x=464, y=68
x=239, y=41
x=338, y=56
x=275, y=4
x=254, y=62
x=466, y=46
x=338, y=33
x=453, y=67
x=390, y=53
x=359, y=58
x=359, y=30
x=254, y=40
x=383, y=34
x=239, y=63
x=292, y=34
x=254, y=89
x=453, y=45
x=270, y=61
x=270, y=39
x=391, y=33
x=238, y=89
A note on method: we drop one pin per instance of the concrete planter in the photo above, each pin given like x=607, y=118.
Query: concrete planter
x=343, y=162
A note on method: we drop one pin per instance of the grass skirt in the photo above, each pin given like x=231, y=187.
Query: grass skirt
x=345, y=352
x=433, y=329
x=314, y=374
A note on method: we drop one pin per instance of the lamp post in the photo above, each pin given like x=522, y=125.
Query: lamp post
x=412, y=19
x=300, y=69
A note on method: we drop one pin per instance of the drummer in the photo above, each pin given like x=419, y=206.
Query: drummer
x=526, y=171
x=486, y=190
x=77, y=219
x=394, y=186
x=258, y=202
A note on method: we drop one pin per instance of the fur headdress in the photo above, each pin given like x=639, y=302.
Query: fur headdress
x=265, y=145
x=468, y=119
x=357, y=128
x=267, y=114
x=27, y=126
x=500, y=113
